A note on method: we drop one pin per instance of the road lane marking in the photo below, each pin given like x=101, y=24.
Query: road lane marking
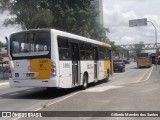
x=149, y=74
x=5, y=83
x=54, y=102
x=96, y=89
x=29, y=90
x=14, y=94
x=101, y=89
x=141, y=79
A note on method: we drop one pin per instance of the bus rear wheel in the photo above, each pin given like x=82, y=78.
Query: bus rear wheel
x=85, y=82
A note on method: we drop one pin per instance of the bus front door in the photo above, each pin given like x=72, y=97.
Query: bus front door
x=95, y=57
x=75, y=64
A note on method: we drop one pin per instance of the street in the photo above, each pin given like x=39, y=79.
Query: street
x=79, y=59
x=134, y=90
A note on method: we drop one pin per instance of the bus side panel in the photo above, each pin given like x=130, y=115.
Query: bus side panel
x=65, y=74
x=106, y=67
x=87, y=66
x=100, y=70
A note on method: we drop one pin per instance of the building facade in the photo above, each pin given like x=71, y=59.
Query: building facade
x=99, y=7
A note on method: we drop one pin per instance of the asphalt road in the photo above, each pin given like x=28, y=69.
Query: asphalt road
x=133, y=90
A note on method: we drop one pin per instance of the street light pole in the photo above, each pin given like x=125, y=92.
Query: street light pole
x=155, y=33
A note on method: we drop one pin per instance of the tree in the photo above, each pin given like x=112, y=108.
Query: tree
x=74, y=16
x=28, y=13
x=1, y=44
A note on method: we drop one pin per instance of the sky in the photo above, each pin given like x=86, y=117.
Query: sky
x=116, y=14
x=6, y=31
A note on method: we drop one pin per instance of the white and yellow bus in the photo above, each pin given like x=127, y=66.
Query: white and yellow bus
x=52, y=58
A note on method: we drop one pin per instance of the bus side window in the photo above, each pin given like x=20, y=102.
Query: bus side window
x=63, y=46
x=86, y=51
x=100, y=53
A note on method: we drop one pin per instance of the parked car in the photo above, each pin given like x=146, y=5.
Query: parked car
x=126, y=61
x=119, y=65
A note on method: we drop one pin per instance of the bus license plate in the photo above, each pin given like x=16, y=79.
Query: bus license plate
x=30, y=74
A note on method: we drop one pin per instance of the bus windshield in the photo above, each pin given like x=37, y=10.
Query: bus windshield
x=34, y=43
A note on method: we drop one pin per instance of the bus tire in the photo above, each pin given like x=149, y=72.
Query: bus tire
x=107, y=76
x=85, y=82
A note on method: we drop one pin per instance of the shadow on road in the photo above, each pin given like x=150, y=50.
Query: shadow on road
x=140, y=68
x=43, y=93
x=118, y=72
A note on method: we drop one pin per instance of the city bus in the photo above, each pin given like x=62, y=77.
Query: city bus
x=144, y=60
x=52, y=58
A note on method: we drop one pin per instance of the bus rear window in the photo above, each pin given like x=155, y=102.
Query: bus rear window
x=30, y=44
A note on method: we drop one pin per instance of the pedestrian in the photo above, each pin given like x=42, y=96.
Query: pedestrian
x=158, y=63
x=158, y=60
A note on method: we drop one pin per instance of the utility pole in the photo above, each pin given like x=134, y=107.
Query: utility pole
x=143, y=22
x=155, y=34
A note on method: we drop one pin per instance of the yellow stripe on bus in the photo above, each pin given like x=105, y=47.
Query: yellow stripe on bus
x=42, y=67
x=106, y=67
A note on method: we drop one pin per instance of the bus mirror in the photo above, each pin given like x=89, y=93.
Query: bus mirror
x=7, y=43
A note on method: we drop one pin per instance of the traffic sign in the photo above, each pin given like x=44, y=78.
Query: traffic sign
x=138, y=22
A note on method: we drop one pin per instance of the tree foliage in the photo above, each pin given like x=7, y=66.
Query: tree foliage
x=1, y=44
x=74, y=16
x=28, y=13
